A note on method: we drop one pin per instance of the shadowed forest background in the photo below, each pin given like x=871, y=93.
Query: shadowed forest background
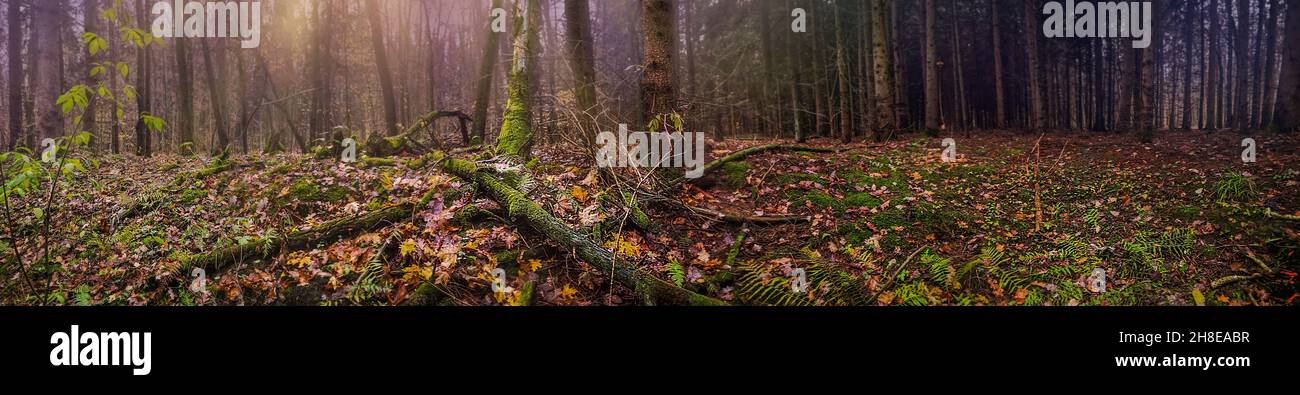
x=191, y=171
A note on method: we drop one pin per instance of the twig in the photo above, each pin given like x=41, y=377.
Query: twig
x=890, y=281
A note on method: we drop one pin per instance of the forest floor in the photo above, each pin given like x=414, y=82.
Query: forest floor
x=1182, y=221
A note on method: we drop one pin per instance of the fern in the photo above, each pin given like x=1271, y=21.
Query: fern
x=941, y=270
x=1093, y=219
x=760, y=283
x=676, y=272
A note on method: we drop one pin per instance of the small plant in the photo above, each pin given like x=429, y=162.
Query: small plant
x=1234, y=187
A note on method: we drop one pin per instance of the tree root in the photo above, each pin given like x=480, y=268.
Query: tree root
x=522, y=209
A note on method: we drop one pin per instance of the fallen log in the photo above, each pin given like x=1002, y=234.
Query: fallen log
x=651, y=289
x=264, y=249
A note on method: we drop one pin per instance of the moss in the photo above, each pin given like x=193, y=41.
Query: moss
x=861, y=199
x=516, y=129
x=189, y=196
x=306, y=190
x=734, y=173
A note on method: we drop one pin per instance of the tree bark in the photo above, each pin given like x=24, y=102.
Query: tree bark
x=658, y=85
x=1288, y=95
x=15, y=72
x=381, y=63
x=1032, y=31
x=516, y=138
x=483, y=92
x=581, y=58
x=842, y=75
x=217, y=98
x=48, y=55
x=930, y=65
x=1240, y=118
x=1000, y=113
x=144, y=89
x=185, y=75
x=883, y=71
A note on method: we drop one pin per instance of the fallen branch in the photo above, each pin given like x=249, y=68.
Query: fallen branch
x=1232, y=279
x=1268, y=212
x=746, y=219
x=522, y=209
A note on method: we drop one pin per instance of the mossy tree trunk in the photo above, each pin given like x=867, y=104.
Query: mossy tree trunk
x=516, y=136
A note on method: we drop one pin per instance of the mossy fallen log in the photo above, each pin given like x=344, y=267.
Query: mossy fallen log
x=650, y=288
x=326, y=233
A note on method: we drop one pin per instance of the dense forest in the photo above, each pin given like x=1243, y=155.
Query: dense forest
x=458, y=152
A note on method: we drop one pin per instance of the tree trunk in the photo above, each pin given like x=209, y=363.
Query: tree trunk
x=483, y=93
x=185, y=75
x=1270, y=64
x=1287, y=118
x=658, y=90
x=884, y=68
x=516, y=136
x=48, y=55
x=842, y=75
x=90, y=8
x=930, y=66
x=1190, y=13
x=1213, y=109
x=319, y=97
x=581, y=58
x=217, y=98
x=1000, y=113
x=144, y=90
x=15, y=71
x=1032, y=31
x=381, y=63
x=1242, y=77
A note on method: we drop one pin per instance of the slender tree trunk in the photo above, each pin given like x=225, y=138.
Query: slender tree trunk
x=1188, y=61
x=902, y=104
x=319, y=101
x=1147, y=94
x=48, y=56
x=1242, y=63
x=795, y=51
x=15, y=72
x=1287, y=119
x=90, y=8
x=1215, y=94
x=658, y=90
x=1270, y=64
x=930, y=66
x=1032, y=31
x=842, y=75
x=580, y=43
x=883, y=69
x=217, y=99
x=185, y=75
x=1000, y=114
x=381, y=62
x=483, y=93
x=144, y=89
